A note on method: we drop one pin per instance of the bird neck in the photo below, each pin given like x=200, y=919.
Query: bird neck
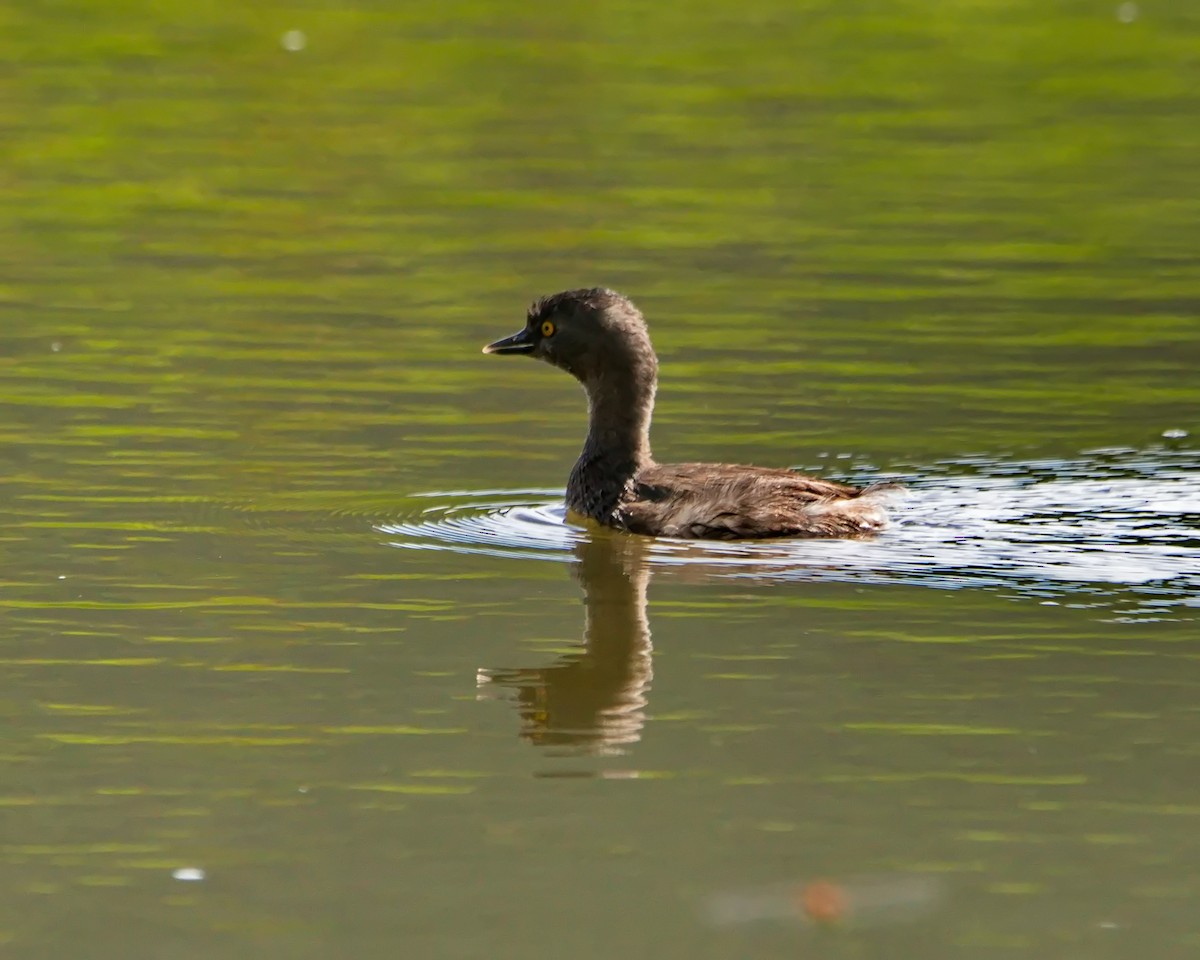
x=618, y=441
x=619, y=411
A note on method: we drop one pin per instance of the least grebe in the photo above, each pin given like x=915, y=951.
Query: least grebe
x=600, y=338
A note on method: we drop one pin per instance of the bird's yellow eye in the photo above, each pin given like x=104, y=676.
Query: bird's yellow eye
x=547, y=328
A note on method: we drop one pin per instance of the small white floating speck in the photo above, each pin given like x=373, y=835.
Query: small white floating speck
x=189, y=873
x=62, y=576
x=55, y=347
x=1128, y=12
x=293, y=41
x=1174, y=434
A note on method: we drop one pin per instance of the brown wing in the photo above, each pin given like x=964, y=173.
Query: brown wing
x=728, y=502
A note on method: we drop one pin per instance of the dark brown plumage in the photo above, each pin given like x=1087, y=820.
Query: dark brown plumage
x=600, y=338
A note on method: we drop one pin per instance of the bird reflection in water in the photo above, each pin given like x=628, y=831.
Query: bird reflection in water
x=594, y=701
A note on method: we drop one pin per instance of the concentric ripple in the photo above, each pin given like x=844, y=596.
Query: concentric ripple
x=1113, y=528
x=498, y=523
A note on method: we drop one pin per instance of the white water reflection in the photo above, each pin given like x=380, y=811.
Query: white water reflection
x=1119, y=529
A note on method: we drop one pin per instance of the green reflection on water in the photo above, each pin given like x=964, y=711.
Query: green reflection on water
x=241, y=304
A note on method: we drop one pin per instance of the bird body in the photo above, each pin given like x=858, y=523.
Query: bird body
x=600, y=338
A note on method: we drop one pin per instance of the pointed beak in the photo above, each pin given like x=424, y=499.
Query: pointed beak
x=522, y=342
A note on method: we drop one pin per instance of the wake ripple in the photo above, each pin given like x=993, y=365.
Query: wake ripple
x=1112, y=528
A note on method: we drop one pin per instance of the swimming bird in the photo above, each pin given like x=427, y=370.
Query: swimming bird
x=600, y=338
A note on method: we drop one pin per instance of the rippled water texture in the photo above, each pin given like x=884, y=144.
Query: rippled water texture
x=1121, y=527
x=298, y=657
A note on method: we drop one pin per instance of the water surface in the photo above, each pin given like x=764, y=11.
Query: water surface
x=288, y=598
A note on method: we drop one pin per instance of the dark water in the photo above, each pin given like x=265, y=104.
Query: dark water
x=299, y=658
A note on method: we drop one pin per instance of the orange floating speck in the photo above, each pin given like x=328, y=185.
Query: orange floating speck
x=823, y=902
